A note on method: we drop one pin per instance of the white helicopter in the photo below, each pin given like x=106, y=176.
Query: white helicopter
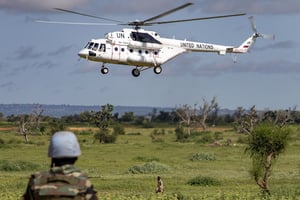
x=146, y=49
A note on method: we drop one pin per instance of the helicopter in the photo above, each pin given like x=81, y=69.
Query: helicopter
x=145, y=49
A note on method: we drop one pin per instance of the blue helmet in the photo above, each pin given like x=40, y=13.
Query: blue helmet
x=64, y=144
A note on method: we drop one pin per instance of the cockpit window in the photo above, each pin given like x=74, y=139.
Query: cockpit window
x=86, y=46
x=91, y=45
x=95, y=47
x=143, y=37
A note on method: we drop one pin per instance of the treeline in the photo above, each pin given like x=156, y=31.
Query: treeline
x=128, y=118
x=149, y=120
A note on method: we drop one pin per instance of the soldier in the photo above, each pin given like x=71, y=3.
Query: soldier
x=63, y=180
x=160, y=185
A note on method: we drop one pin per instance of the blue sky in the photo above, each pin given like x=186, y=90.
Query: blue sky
x=39, y=62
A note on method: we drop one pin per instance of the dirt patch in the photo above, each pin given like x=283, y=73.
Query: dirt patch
x=7, y=128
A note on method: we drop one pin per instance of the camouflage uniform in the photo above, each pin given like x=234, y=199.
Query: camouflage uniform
x=65, y=182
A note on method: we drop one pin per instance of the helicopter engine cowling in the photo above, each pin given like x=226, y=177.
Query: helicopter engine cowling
x=144, y=45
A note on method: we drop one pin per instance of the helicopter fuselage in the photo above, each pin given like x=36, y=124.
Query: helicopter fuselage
x=142, y=48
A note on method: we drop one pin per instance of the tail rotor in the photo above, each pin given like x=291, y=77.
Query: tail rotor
x=257, y=34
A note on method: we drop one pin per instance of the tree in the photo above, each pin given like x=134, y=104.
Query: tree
x=37, y=115
x=187, y=116
x=208, y=108
x=246, y=121
x=31, y=122
x=25, y=124
x=267, y=138
x=102, y=120
x=127, y=117
x=280, y=117
x=164, y=116
x=266, y=142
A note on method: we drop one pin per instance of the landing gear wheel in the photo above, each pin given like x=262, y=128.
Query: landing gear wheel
x=157, y=69
x=104, y=70
x=135, y=72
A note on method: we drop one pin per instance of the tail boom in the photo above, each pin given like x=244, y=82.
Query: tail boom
x=245, y=46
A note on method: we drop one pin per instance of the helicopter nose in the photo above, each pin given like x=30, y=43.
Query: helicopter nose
x=83, y=53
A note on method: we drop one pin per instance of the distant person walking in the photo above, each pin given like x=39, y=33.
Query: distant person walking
x=160, y=185
x=63, y=180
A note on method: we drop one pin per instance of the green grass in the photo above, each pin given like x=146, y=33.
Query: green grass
x=108, y=167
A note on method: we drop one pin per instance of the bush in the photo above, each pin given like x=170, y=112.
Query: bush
x=119, y=130
x=206, y=138
x=18, y=165
x=204, y=181
x=203, y=156
x=158, y=132
x=105, y=137
x=180, y=134
x=148, y=168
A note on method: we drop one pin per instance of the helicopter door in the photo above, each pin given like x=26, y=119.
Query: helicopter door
x=119, y=53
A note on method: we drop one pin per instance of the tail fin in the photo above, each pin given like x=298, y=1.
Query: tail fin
x=246, y=45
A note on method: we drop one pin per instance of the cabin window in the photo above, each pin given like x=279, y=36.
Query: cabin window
x=122, y=49
x=102, y=47
x=143, y=37
x=116, y=49
x=131, y=50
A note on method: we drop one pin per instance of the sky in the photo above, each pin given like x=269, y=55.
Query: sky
x=39, y=62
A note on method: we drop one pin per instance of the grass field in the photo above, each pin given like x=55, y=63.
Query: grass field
x=109, y=166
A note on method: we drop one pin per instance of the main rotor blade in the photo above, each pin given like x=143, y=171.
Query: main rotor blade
x=167, y=12
x=87, y=15
x=194, y=19
x=75, y=23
